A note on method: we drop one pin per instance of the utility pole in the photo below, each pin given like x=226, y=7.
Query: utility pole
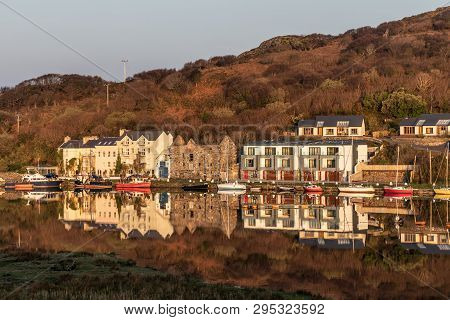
x=18, y=123
x=107, y=94
x=124, y=61
x=431, y=173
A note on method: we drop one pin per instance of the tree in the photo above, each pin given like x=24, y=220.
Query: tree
x=401, y=104
x=119, y=166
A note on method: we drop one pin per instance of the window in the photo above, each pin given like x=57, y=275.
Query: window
x=104, y=154
x=249, y=163
x=332, y=151
x=142, y=152
x=429, y=130
x=267, y=163
x=312, y=163
x=343, y=123
x=270, y=151
x=331, y=213
x=109, y=153
x=308, y=131
x=443, y=122
x=251, y=222
x=409, y=130
x=314, y=151
x=109, y=164
x=330, y=132
x=287, y=151
x=114, y=154
x=331, y=163
x=251, y=151
x=354, y=131
x=430, y=237
x=286, y=163
x=99, y=154
x=410, y=237
x=191, y=157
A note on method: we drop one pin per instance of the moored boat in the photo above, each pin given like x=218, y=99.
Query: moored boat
x=312, y=188
x=133, y=183
x=33, y=181
x=201, y=187
x=356, y=189
x=231, y=186
x=398, y=191
x=93, y=185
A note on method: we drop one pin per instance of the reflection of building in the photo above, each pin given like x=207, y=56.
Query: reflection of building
x=322, y=160
x=382, y=205
x=135, y=216
x=427, y=236
x=196, y=210
x=321, y=221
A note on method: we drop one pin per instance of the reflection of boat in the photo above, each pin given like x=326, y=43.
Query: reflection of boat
x=202, y=187
x=255, y=189
x=357, y=189
x=231, y=186
x=356, y=195
x=312, y=188
x=232, y=192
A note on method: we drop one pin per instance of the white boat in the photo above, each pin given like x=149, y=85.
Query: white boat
x=357, y=189
x=231, y=186
x=232, y=192
x=356, y=195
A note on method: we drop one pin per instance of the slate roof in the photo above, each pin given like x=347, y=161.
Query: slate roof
x=332, y=121
x=298, y=142
x=150, y=135
x=77, y=144
x=334, y=243
x=72, y=144
x=425, y=120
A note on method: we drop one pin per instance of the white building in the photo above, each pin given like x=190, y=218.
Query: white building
x=332, y=126
x=429, y=125
x=321, y=160
x=144, y=152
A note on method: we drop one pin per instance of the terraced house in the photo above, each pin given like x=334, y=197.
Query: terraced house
x=317, y=160
x=332, y=126
x=429, y=125
x=145, y=151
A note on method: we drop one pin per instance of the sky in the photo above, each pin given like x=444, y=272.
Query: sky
x=154, y=34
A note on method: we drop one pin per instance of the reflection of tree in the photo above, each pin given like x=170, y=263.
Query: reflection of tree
x=119, y=203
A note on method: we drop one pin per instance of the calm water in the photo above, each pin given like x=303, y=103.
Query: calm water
x=321, y=244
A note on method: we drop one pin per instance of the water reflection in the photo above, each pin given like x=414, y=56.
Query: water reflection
x=323, y=221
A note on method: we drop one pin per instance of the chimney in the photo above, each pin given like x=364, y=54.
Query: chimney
x=67, y=139
x=121, y=132
x=89, y=138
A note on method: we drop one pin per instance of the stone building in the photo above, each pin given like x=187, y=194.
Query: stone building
x=207, y=162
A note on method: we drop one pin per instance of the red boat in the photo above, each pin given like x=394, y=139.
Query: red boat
x=398, y=191
x=313, y=188
x=133, y=185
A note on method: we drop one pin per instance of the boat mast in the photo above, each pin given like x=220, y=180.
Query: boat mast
x=431, y=172
x=446, y=171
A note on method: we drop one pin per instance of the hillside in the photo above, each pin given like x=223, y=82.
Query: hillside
x=397, y=69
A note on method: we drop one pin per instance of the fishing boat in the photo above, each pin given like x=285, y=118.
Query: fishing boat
x=397, y=191
x=445, y=191
x=133, y=183
x=361, y=189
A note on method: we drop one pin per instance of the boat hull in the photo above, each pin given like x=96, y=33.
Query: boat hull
x=139, y=185
x=313, y=189
x=196, y=187
x=442, y=191
x=231, y=186
x=397, y=192
x=27, y=186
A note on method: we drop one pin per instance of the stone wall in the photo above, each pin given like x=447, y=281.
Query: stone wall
x=207, y=162
x=385, y=176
